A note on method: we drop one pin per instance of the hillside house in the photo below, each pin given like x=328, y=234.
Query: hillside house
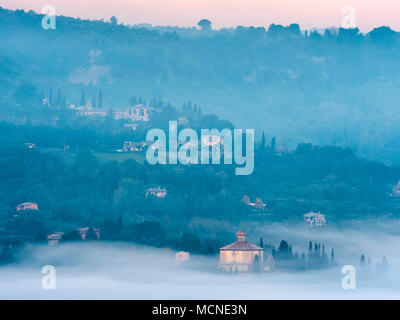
x=157, y=192
x=135, y=113
x=314, y=219
x=258, y=205
x=182, y=256
x=54, y=238
x=84, y=231
x=27, y=206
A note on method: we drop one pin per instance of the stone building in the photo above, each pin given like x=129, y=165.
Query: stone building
x=240, y=255
x=135, y=113
x=315, y=219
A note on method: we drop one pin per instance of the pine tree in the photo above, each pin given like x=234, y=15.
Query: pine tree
x=310, y=255
x=324, y=258
x=332, y=257
x=263, y=142
x=261, y=245
x=273, y=144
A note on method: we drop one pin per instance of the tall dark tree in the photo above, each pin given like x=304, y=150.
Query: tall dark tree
x=362, y=261
x=91, y=234
x=204, y=24
x=261, y=244
x=273, y=144
x=72, y=235
x=114, y=20
x=256, y=264
x=262, y=147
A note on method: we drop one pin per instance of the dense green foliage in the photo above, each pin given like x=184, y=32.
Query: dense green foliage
x=80, y=188
x=340, y=87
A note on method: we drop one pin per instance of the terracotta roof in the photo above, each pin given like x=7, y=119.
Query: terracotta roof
x=241, y=246
x=26, y=204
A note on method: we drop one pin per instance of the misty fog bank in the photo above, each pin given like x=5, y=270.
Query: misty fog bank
x=125, y=271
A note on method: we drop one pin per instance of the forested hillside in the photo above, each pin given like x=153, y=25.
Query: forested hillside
x=341, y=87
x=80, y=188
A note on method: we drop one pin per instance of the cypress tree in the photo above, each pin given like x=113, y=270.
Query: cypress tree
x=273, y=144
x=261, y=245
x=362, y=261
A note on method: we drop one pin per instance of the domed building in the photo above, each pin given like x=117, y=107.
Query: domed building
x=240, y=255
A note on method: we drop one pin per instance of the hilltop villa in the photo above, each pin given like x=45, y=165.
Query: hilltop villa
x=240, y=255
x=135, y=113
x=315, y=219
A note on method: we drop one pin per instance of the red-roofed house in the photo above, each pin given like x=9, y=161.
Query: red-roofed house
x=240, y=255
x=83, y=232
x=27, y=206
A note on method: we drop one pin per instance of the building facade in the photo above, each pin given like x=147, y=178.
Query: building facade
x=27, y=206
x=240, y=255
x=315, y=219
x=157, y=192
x=135, y=113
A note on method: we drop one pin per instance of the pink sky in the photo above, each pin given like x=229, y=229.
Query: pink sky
x=225, y=13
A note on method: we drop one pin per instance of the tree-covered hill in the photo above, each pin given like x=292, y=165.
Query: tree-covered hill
x=338, y=88
x=88, y=191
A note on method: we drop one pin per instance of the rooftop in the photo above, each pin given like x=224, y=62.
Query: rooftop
x=310, y=214
x=241, y=244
